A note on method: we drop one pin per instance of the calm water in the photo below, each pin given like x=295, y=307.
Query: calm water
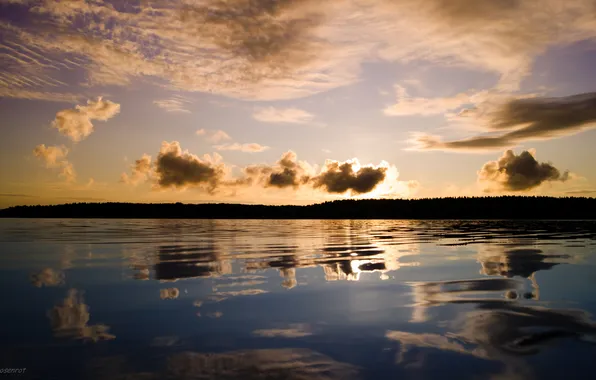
x=244, y=299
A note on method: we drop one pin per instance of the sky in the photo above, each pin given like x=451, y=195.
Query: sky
x=295, y=101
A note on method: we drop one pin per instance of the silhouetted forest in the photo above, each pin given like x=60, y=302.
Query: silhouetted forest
x=506, y=207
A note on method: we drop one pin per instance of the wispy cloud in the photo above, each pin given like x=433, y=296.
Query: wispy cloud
x=293, y=331
x=140, y=171
x=280, y=50
x=18, y=195
x=176, y=104
x=283, y=115
x=408, y=105
x=214, y=136
x=586, y=192
x=38, y=95
x=55, y=157
x=248, y=148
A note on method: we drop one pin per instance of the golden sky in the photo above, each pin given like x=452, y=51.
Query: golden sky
x=295, y=101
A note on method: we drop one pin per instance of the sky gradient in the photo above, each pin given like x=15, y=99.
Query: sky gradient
x=295, y=102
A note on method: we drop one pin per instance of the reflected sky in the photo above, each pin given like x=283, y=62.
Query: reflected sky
x=303, y=299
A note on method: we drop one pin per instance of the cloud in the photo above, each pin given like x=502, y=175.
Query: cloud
x=68, y=172
x=518, y=173
x=346, y=176
x=222, y=296
x=214, y=136
x=47, y=277
x=349, y=177
x=177, y=104
x=407, y=105
x=499, y=36
x=249, y=148
x=175, y=168
x=245, y=292
x=293, y=331
x=287, y=172
x=585, y=192
x=140, y=171
x=239, y=283
x=278, y=363
x=178, y=169
x=522, y=119
x=236, y=48
x=37, y=95
x=169, y=293
x=76, y=122
x=55, y=157
x=18, y=195
x=283, y=115
x=284, y=49
x=492, y=326
x=52, y=155
x=70, y=320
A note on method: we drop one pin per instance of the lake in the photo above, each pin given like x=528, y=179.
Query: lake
x=298, y=299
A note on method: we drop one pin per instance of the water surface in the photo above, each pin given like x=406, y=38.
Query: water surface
x=298, y=299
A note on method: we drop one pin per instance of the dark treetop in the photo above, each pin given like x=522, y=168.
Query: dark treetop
x=506, y=207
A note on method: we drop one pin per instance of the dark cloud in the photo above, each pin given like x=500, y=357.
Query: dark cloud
x=527, y=119
x=496, y=329
x=340, y=177
x=175, y=168
x=519, y=173
x=336, y=177
x=546, y=117
x=287, y=172
x=518, y=262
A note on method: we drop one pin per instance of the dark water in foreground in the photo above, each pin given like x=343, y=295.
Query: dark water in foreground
x=237, y=299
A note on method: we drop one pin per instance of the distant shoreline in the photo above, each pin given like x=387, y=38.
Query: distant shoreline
x=505, y=207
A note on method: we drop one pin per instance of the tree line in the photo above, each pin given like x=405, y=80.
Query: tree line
x=504, y=207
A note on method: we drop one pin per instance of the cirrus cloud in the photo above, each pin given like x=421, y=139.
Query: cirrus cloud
x=408, y=105
x=176, y=104
x=248, y=147
x=282, y=49
x=283, y=115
